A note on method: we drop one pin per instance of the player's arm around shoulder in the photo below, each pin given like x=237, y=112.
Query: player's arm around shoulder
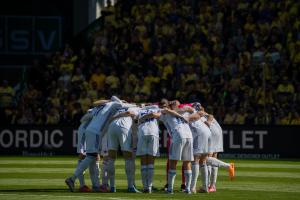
x=174, y=113
x=100, y=102
x=193, y=117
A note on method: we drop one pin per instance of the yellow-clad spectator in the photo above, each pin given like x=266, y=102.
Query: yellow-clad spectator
x=98, y=77
x=241, y=116
x=295, y=119
x=113, y=80
x=52, y=117
x=85, y=101
x=7, y=94
x=78, y=76
x=285, y=86
x=167, y=69
x=54, y=99
x=93, y=92
x=230, y=116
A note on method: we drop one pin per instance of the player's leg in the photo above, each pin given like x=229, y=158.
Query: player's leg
x=152, y=151
x=195, y=173
x=104, y=174
x=171, y=175
x=104, y=167
x=82, y=186
x=168, y=161
x=144, y=172
x=204, y=173
x=187, y=157
x=175, y=153
x=150, y=171
x=125, y=140
x=183, y=183
x=113, y=145
x=94, y=173
x=213, y=161
x=141, y=151
x=92, y=143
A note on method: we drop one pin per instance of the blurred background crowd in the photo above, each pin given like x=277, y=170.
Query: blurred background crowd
x=240, y=59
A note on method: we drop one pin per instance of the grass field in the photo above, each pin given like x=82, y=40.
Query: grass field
x=43, y=178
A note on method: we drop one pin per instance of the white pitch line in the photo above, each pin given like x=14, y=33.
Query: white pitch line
x=69, y=196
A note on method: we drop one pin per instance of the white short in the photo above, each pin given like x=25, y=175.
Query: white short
x=104, y=146
x=93, y=142
x=119, y=136
x=147, y=145
x=181, y=149
x=201, y=141
x=81, y=145
x=216, y=141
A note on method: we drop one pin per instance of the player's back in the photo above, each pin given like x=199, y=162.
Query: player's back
x=125, y=122
x=101, y=116
x=177, y=127
x=149, y=126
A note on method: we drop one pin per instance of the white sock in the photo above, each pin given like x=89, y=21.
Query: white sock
x=80, y=176
x=111, y=172
x=150, y=176
x=204, y=176
x=209, y=173
x=214, y=162
x=188, y=179
x=104, y=172
x=171, y=179
x=144, y=173
x=129, y=172
x=83, y=165
x=213, y=177
x=94, y=174
x=195, y=174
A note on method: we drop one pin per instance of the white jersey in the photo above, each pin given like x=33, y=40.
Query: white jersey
x=198, y=126
x=177, y=127
x=101, y=116
x=125, y=122
x=150, y=125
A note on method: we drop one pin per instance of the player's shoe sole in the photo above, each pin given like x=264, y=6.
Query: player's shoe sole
x=70, y=183
x=231, y=171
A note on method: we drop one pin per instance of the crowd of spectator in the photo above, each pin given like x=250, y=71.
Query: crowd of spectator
x=240, y=59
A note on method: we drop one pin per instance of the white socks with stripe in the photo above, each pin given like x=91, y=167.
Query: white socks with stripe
x=204, y=176
x=171, y=179
x=213, y=176
x=188, y=179
x=150, y=172
x=214, y=162
x=195, y=174
x=144, y=175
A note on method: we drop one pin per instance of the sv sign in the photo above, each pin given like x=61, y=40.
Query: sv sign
x=29, y=35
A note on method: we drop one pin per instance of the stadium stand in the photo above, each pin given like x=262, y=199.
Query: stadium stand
x=240, y=59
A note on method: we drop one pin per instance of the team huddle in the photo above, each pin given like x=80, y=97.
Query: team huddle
x=195, y=138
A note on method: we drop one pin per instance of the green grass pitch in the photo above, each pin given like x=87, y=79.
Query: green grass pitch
x=43, y=178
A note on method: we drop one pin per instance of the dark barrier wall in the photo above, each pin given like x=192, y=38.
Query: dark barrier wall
x=267, y=142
